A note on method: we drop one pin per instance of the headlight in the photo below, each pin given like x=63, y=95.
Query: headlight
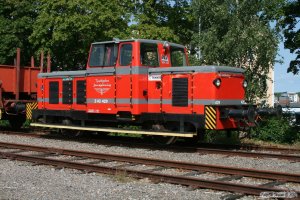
x=245, y=83
x=217, y=82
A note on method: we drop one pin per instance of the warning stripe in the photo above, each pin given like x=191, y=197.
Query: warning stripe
x=29, y=108
x=210, y=117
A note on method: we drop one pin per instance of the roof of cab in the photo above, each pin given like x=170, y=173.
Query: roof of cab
x=140, y=40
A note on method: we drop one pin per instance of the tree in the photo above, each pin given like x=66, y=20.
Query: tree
x=16, y=19
x=67, y=28
x=238, y=33
x=291, y=34
x=163, y=20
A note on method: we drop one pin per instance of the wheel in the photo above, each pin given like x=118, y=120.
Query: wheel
x=197, y=138
x=17, y=121
x=163, y=140
x=69, y=132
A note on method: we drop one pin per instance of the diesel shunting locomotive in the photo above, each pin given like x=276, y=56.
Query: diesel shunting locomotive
x=146, y=83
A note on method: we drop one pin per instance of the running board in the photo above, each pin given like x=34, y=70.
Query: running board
x=113, y=130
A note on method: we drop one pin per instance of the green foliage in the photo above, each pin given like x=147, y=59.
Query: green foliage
x=238, y=33
x=291, y=34
x=277, y=94
x=221, y=137
x=146, y=31
x=278, y=130
x=163, y=20
x=4, y=123
x=16, y=24
x=66, y=28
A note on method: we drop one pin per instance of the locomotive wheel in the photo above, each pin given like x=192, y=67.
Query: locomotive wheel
x=68, y=132
x=163, y=140
x=17, y=122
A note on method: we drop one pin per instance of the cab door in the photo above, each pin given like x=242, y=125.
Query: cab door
x=124, y=78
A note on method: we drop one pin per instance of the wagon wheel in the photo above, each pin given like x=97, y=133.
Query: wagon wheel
x=69, y=132
x=163, y=140
x=17, y=121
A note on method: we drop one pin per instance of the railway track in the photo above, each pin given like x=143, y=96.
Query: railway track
x=228, y=150
x=246, y=147
x=16, y=152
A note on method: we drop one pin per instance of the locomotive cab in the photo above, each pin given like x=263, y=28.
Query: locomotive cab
x=148, y=83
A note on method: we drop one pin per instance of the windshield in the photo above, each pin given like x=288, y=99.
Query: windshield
x=178, y=58
x=103, y=55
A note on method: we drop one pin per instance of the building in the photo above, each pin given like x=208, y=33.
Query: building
x=293, y=97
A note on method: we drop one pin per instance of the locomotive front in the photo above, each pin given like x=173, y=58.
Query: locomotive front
x=208, y=97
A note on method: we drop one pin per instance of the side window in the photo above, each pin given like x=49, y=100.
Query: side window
x=103, y=55
x=53, y=92
x=126, y=55
x=177, y=57
x=149, y=55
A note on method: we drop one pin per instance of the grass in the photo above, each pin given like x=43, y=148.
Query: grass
x=251, y=141
x=4, y=123
x=221, y=137
x=122, y=176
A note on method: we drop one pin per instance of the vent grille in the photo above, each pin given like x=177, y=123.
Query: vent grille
x=180, y=92
x=67, y=92
x=53, y=92
x=81, y=92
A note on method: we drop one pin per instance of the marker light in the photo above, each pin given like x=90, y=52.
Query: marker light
x=217, y=82
x=245, y=83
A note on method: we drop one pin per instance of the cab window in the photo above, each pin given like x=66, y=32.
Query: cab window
x=149, y=55
x=178, y=58
x=126, y=55
x=103, y=55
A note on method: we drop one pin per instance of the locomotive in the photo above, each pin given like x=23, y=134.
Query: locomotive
x=146, y=83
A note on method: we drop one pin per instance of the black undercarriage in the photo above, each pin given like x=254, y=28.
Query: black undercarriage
x=178, y=122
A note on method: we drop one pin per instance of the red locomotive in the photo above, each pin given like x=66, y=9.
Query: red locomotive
x=147, y=83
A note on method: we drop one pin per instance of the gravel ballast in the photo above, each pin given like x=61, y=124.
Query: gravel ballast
x=22, y=180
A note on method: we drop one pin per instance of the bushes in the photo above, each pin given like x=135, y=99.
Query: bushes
x=278, y=130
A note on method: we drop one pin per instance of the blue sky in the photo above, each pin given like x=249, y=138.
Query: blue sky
x=285, y=82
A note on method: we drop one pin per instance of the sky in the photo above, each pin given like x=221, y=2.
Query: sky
x=285, y=82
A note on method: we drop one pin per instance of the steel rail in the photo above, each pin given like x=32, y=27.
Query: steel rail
x=280, y=176
x=242, y=153
x=245, y=147
x=249, y=154
x=156, y=177
x=250, y=147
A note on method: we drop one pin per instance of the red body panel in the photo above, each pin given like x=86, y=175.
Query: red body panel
x=135, y=89
x=28, y=79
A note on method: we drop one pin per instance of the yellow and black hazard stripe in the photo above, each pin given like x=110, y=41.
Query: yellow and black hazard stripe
x=210, y=117
x=29, y=108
